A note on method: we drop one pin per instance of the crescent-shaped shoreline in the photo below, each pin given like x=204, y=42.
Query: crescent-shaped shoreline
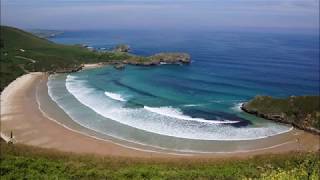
x=21, y=114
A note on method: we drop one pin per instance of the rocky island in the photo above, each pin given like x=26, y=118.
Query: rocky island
x=302, y=112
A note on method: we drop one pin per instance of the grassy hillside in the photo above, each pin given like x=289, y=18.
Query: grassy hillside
x=19, y=161
x=301, y=111
x=22, y=52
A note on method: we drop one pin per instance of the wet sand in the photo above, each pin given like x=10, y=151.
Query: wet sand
x=23, y=105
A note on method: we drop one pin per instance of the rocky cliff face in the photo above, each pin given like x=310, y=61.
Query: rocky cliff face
x=302, y=112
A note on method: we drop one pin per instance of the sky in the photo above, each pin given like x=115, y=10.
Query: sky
x=157, y=14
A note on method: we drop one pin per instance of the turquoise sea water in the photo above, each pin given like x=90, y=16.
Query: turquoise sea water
x=173, y=106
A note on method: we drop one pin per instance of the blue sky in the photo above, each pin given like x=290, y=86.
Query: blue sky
x=175, y=14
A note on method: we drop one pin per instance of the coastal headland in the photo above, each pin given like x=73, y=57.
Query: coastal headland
x=301, y=112
x=23, y=52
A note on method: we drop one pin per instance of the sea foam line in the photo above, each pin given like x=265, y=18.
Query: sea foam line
x=152, y=151
x=110, y=141
x=176, y=113
x=179, y=152
x=115, y=96
x=237, y=107
x=159, y=125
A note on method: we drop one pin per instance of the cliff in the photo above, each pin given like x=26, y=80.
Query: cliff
x=302, y=112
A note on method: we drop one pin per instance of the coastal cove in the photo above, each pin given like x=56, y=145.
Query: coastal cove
x=68, y=136
x=173, y=90
x=171, y=105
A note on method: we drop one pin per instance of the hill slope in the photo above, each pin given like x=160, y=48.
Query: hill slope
x=22, y=52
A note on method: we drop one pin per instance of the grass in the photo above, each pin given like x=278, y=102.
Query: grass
x=21, y=161
x=22, y=52
x=44, y=55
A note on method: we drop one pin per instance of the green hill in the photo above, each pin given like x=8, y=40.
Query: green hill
x=22, y=52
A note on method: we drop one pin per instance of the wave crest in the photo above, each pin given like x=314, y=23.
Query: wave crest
x=165, y=121
x=176, y=113
x=115, y=96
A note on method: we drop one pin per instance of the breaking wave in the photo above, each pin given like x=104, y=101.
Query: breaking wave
x=115, y=96
x=176, y=113
x=166, y=121
x=237, y=107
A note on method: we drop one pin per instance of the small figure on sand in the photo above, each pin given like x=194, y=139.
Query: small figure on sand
x=11, y=138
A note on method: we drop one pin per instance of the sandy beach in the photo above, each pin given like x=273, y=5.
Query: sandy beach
x=22, y=115
x=93, y=65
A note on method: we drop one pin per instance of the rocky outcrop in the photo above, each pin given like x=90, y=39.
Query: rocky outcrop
x=122, y=48
x=119, y=66
x=161, y=58
x=287, y=111
x=171, y=58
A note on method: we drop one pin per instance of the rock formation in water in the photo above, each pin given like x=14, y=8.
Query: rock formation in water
x=165, y=58
x=119, y=66
x=122, y=48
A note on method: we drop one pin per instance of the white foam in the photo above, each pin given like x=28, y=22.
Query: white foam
x=163, y=121
x=176, y=113
x=237, y=107
x=194, y=105
x=190, y=105
x=178, y=151
x=115, y=96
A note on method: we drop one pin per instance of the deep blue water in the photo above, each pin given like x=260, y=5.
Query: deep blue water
x=191, y=101
x=244, y=64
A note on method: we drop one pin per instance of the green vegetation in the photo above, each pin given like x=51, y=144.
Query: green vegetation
x=22, y=52
x=301, y=111
x=20, y=161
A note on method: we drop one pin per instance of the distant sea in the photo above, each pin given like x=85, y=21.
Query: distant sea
x=162, y=105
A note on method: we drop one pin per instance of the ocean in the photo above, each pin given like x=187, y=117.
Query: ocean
x=186, y=107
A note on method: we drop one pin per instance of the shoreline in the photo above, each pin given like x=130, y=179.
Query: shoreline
x=93, y=65
x=38, y=130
